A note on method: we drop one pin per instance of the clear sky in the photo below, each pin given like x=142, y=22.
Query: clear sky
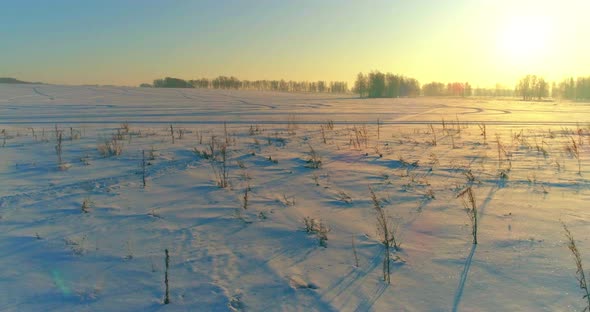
x=127, y=42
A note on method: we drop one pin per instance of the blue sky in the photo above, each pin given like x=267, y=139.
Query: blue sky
x=128, y=42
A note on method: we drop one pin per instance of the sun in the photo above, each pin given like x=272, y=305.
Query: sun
x=525, y=39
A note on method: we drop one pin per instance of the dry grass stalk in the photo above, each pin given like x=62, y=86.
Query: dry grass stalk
x=471, y=209
x=167, y=265
x=172, y=133
x=86, y=205
x=245, y=198
x=143, y=167
x=484, y=133
x=580, y=276
x=220, y=168
x=433, y=134
x=574, y=151
x=356, y=257
x=58, y=146
x=386, y=233
x=330, y=124
x=315, y=160
x=319, y=228
x=323, y=132
x=110, y=148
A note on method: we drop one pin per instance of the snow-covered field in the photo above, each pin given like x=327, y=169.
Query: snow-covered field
x=416, y=154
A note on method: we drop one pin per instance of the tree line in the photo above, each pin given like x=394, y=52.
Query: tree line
x=377, y=85
x=449, y=89
x=170, y=82
x=571, y=89
x=15, y=81
x=532, y=87
x=224, y=82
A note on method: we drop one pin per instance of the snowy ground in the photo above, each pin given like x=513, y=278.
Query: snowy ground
x=56, y=257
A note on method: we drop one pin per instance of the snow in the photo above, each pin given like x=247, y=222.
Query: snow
x=226, y=258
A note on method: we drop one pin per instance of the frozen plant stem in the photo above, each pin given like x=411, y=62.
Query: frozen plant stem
x=33, y=134
x=245, y=206
x=223, y=173
x=172, y=133
x=386, y=235
x=576, y=153
x=143, y=167
x=482, y=127
x=580, y=276
x=471, y=209
x=499, y=150
x=167, y=295
x=356, y=257
x=323, y=133
x=314, y=161
x=433, y=134
x=225, y=133
x=58, y=146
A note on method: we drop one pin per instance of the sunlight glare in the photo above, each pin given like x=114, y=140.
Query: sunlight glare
x=525, y=39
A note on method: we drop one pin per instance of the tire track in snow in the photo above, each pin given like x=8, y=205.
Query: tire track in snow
x=368, y=303
x=100, y=185
x=42, y=94
x=354, y=279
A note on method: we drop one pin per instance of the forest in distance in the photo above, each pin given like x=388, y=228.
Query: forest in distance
x=387, y=85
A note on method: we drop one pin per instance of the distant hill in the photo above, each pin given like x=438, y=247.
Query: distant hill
x=13, y=80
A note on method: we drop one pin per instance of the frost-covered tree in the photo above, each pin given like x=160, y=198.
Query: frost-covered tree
x=532, y=86
x=376, y=84
x=360, y=85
